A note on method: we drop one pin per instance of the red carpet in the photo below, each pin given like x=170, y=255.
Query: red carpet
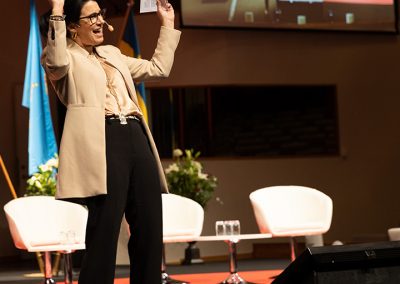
x=259, y=277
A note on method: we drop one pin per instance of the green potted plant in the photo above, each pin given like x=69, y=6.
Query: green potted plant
x=185, y=177
x=43, y=182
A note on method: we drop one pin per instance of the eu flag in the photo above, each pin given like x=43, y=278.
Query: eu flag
x=129, y=46
x=42, y=144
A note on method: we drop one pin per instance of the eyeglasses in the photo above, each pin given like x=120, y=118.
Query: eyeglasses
x=93, y=18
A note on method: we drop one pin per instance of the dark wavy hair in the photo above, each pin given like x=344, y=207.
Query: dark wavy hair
x=72, y=12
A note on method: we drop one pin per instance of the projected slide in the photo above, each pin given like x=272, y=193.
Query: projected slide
x=368, y=15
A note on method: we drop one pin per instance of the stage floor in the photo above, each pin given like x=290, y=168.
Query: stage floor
x=25, y=272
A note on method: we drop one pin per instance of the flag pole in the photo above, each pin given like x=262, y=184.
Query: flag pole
x=5, y=172
x=129, y=5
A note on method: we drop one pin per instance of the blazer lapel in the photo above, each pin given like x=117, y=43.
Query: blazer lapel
x=117, y=64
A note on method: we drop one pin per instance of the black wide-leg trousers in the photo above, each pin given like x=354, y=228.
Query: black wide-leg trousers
x=133, y=188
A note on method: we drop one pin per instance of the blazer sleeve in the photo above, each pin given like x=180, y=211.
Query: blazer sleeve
x=160, y=65
x=55, y=58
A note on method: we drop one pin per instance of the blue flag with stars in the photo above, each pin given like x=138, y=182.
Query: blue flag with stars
x=42, y=144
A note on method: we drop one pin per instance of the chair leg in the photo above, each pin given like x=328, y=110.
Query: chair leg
x=56, y=263
x=293, y=248
x=48, y=277
x=67, y=268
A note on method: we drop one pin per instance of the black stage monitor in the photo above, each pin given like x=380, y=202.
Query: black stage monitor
x=347, y=264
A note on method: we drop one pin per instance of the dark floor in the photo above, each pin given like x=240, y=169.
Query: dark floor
x=18, y=272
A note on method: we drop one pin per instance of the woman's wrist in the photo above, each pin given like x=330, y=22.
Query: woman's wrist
x=168, y=24
x=57, y=11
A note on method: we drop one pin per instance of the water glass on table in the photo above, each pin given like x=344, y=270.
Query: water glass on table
x=235, y=227
x=220, y=228
x=67, y=237
x=232, y=227
x=229, y=227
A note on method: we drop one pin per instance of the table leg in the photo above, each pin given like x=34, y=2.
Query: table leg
x=68, y=268
x=165, y=279
x=234, y=277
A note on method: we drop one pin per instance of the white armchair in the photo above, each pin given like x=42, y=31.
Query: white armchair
x=182, y=222
x=291, y=211
x=394, y=234
x=43, y=224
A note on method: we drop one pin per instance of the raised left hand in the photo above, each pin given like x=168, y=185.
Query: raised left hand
x=166, y=13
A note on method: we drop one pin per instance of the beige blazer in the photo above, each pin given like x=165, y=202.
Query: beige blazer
x=80, y=83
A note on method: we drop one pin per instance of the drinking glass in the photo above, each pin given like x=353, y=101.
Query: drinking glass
x=71, y=237
x=235, y=227
x=228, y=227
x=63, y=237
x=220, y=228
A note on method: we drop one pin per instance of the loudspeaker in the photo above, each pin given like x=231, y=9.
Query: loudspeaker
x=348, y=264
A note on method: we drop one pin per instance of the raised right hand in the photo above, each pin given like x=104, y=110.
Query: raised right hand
x=57, y=6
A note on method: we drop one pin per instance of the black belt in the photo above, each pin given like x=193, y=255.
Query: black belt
x=122, y=118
